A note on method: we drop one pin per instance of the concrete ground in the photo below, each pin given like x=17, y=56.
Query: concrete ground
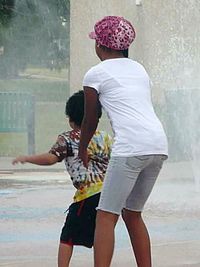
x=32, y=208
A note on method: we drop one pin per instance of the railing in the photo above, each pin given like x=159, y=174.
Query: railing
x=17, y=114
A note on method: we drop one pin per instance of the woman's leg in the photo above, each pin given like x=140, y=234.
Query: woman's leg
x=134, y=205
x=139, y=237
x=64, y=255
x=104, y=238
x=118, y=184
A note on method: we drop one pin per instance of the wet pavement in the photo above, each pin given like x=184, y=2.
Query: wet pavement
x=32, y=214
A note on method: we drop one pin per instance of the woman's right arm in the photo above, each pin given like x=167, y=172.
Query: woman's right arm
x=89, y=123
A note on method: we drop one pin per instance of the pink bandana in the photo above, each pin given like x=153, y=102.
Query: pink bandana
x=113, y=32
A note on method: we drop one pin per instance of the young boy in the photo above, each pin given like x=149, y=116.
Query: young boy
x=80, y=221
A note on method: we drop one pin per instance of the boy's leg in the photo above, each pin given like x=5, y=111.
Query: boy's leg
x=139, y=237
x=64, y=255
x=104, y=238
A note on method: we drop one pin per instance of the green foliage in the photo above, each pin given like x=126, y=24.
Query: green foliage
x=6, y=11
x=33, y=32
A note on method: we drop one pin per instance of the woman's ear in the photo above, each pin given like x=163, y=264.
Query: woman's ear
x=97, y=44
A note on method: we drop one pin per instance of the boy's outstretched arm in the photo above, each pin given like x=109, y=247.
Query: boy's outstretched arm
x=42, y=159
x=90, y=121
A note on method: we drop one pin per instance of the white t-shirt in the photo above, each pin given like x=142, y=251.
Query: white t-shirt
x=124, y=91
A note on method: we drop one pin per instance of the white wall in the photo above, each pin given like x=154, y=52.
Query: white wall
x=167, y=42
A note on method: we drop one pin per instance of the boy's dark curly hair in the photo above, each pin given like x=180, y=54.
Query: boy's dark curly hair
x=75, y=108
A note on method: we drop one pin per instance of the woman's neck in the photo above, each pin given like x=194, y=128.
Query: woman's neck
x=111, y=56
x=114, y=54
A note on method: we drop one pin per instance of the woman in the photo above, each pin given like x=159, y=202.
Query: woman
x=140, y=145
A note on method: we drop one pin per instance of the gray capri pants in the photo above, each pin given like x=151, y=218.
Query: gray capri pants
x=129, y=182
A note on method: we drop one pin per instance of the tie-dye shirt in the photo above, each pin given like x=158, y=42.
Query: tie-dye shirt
x=87, y=181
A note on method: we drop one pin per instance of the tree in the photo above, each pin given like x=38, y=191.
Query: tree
x=33, y=32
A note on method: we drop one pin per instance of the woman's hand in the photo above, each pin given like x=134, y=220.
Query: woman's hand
x=83, y=155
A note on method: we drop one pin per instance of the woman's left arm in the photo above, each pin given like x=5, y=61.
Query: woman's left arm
x=90, y=121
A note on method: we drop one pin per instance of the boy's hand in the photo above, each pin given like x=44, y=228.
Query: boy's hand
x=83, y=155
x=20, y=159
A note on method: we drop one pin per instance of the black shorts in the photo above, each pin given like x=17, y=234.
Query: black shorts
x=79, y=226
